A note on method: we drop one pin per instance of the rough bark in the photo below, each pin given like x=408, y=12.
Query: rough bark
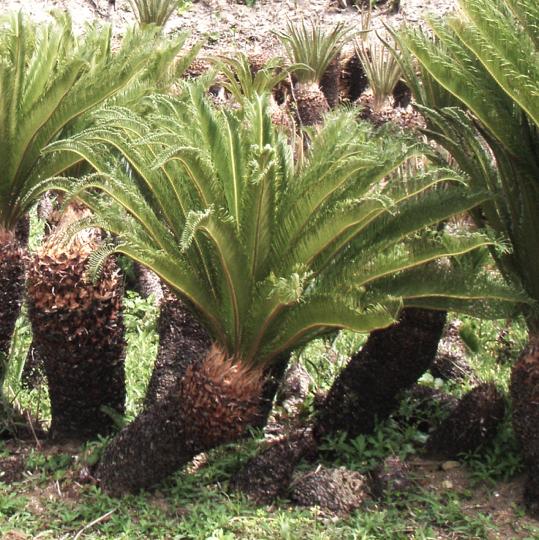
x=354, y=79
x=33, y=373
x=267, y=475
x=272, y=380
x=12, y=275
x=182, y=339
x=402, y=95
x=213, y=404
x=147, y=283
x=311, y=104
x=11, y=290
x=471, y=425
x=337, y=491
x=525, y=400
x=329, y=83
x=78, y=331
x=391, y=361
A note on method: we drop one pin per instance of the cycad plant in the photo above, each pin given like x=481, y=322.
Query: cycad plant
x=381, y=67
x=314, y=49
x=244, y=83
x=156, y=12
x=49, y=80
x=486, y=62
x=268, y=252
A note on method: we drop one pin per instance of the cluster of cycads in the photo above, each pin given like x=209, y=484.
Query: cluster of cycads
x=267, y=219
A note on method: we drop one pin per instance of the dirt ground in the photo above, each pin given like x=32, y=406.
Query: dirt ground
x=227, y=25
x=499, y=501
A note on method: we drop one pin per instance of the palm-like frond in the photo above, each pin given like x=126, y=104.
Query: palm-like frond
x=156, y=12
x=240, y=80
x=49, y=79
x=271, y=252
x=312, y=48
x=491, y=55
x=381, y=66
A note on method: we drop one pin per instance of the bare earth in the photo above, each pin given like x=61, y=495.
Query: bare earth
x=229, y=25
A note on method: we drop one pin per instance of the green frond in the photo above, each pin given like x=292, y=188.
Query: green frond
x=156, y=12
x=312, y=48
x=98, y=258
x=364, y=270
x=271, y=252
x=50, y=80
x=446, y=287
x=240, y=80
x=381, y=65
x=487, y=59
x=322, y=314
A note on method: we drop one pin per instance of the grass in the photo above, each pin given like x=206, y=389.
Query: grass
x=51, y=501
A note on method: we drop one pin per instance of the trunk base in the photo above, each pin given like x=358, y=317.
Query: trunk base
x=391, y=361
x=525, y=399
x=472, y=424
x=213, y=404
x=181, y=340
x=268, y=475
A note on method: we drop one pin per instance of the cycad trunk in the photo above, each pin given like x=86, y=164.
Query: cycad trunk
x=391, y=361
x=354, y=79
x=273, y=376
x=182, y=339
x=311, y=103
x=147, y=283
x=213, y=404
x=525, y=400
x=11, y=293
x=11, y=289
x=78, y=331
x=330, y=82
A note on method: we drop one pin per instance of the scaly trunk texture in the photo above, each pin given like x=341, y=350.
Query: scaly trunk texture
x=525, y=399
x=391, y=361
x=182, y=339
x=213, y=404
x=330, y=82
x=11, y=289
x=79, y=333
x=13, y=255
x=147, y=283
x=311, y=104
x=273, y=377
x=471, y=425
x=12, y=267
x=354, y=79
x=267, y=475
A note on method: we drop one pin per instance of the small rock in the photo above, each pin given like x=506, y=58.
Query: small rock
x=447, y=484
